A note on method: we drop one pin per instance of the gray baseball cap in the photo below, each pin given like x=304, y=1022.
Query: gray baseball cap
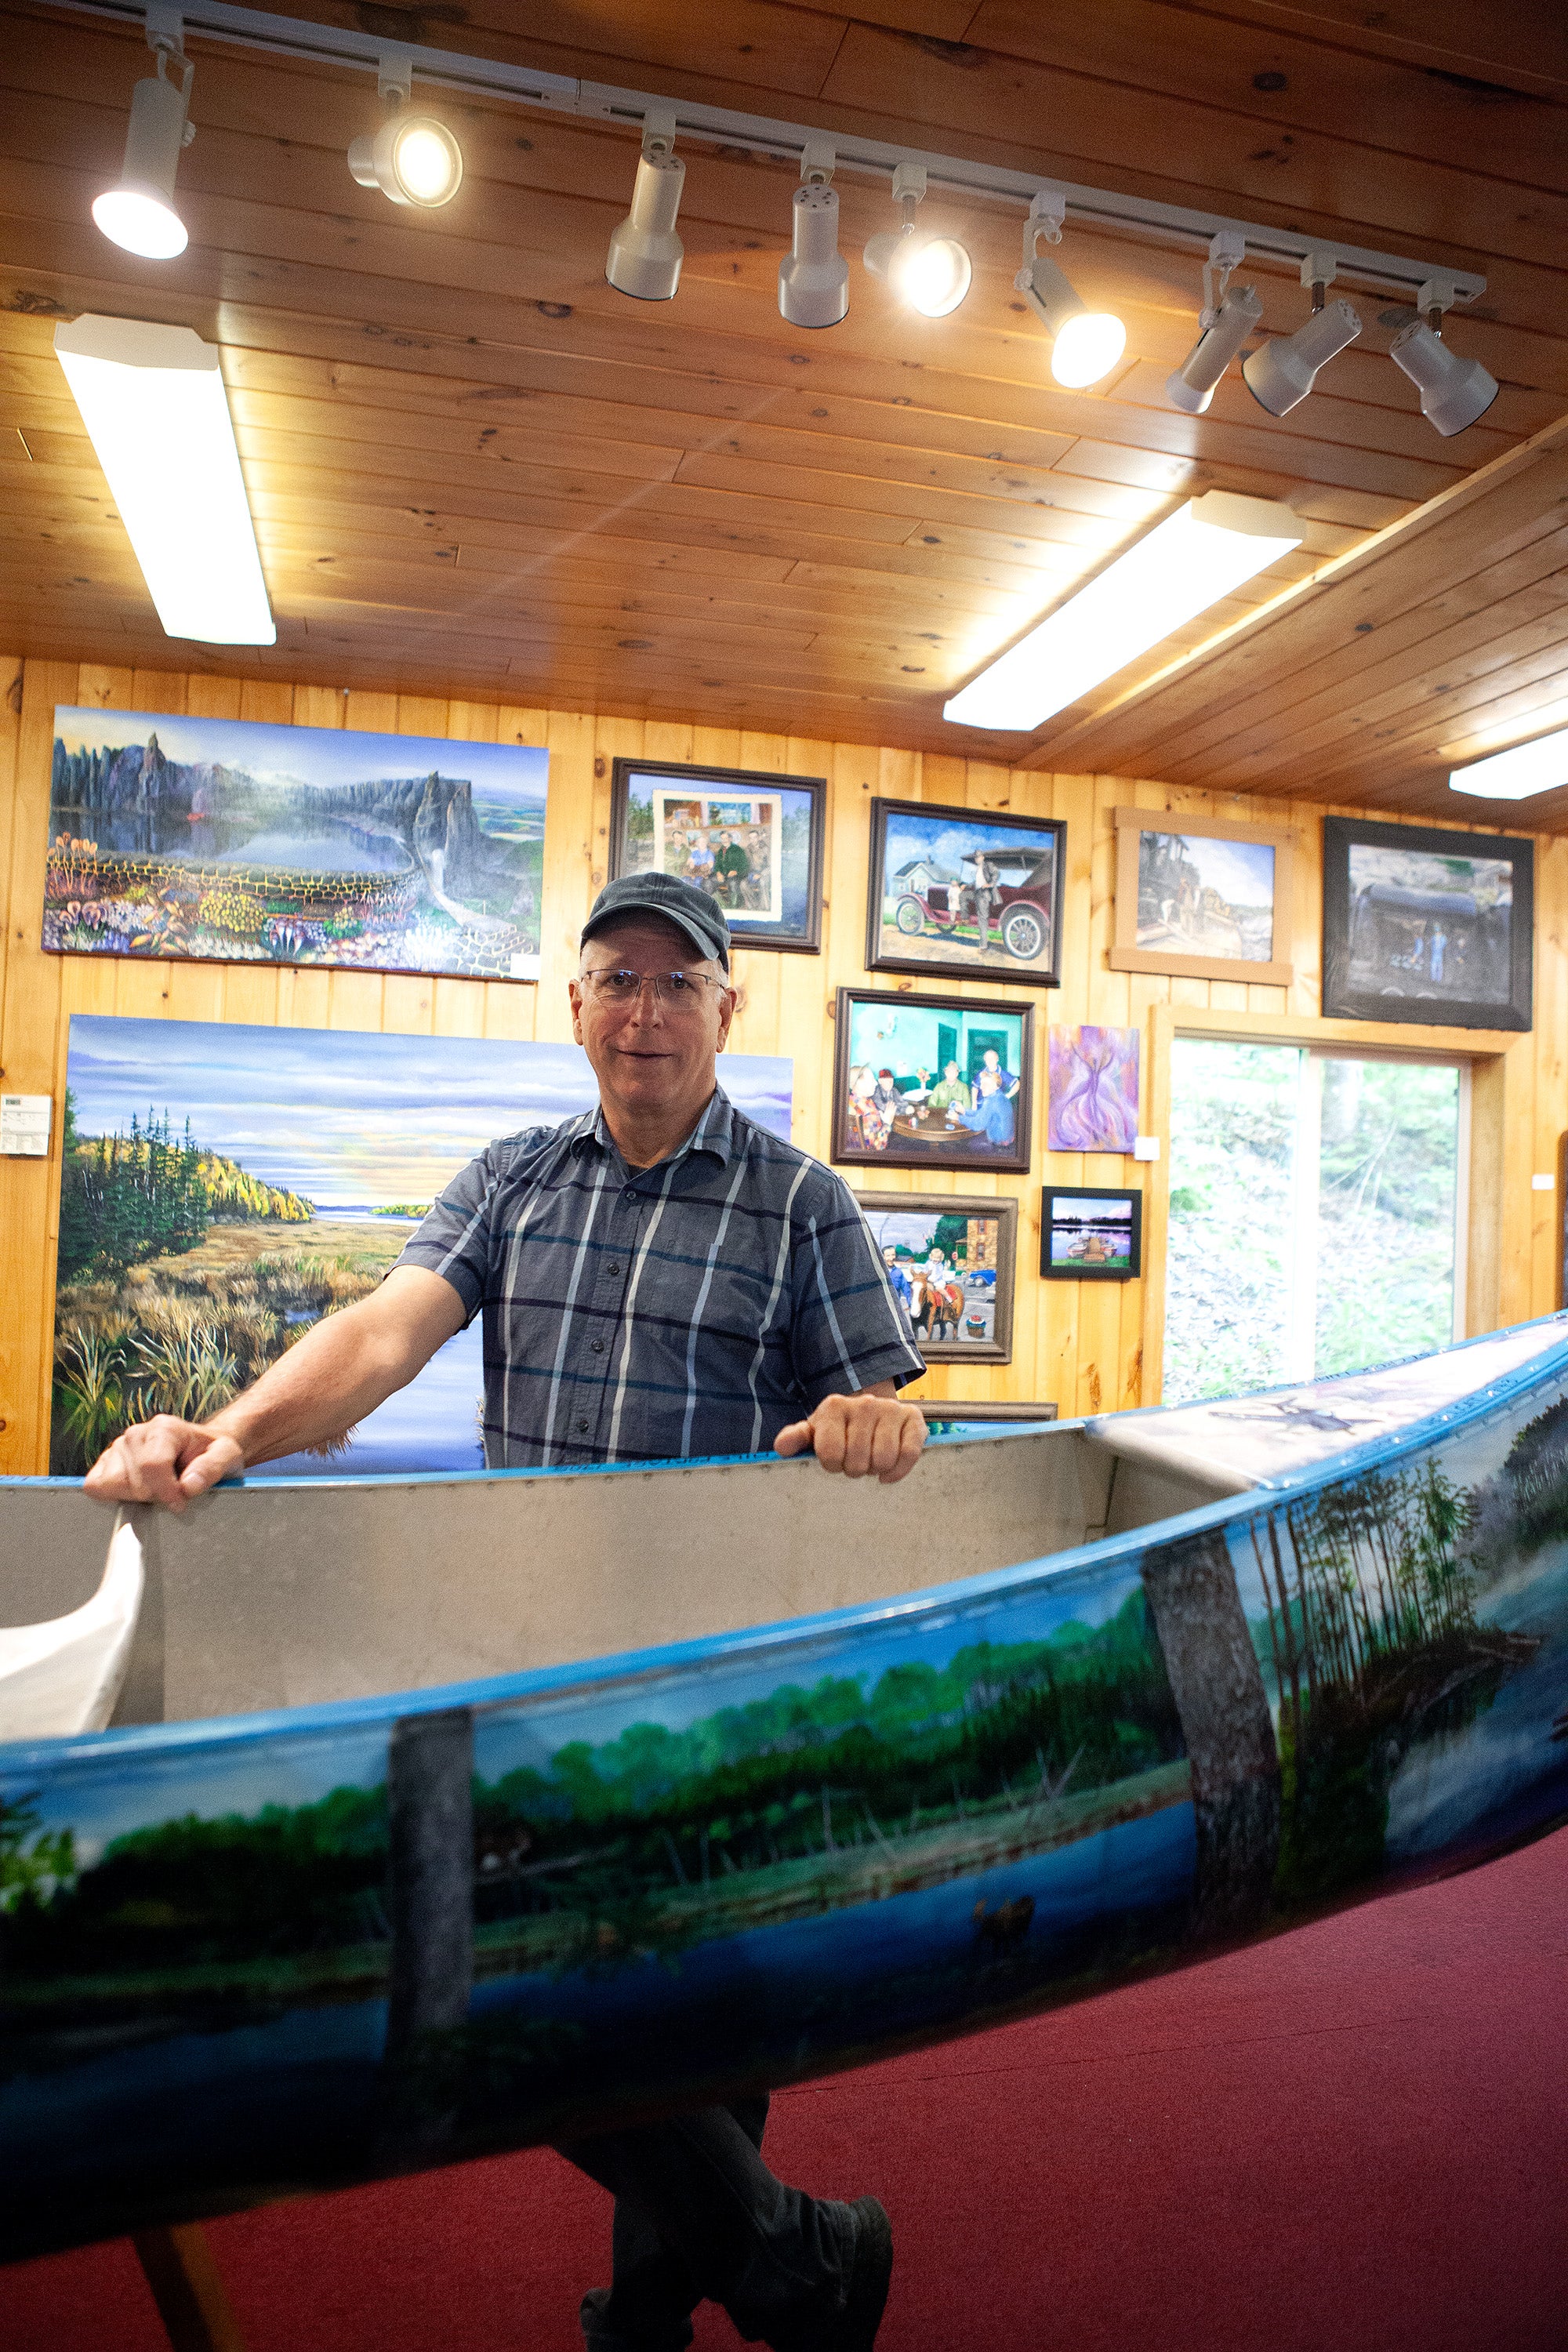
x=698, y=917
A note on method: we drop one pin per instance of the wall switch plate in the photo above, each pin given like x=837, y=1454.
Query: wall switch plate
x=1146, y=1146
x=1543, y=1184
x=24, y=1123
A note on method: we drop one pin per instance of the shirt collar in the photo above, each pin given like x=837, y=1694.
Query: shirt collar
x=714, y=1133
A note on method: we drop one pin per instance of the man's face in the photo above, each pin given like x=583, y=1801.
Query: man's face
x=651, y=1056
x=992, y=1062
x=951, y=1072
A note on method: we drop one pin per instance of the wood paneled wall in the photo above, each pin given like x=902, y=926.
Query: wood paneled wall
x=1082, y=1346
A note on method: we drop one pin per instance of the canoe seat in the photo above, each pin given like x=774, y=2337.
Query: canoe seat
x=64, y=1675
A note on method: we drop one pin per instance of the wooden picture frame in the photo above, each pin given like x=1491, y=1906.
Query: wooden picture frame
x=1055, y=1220
x=797, y=930
x=1411, y=934
x=995, y=1208
x=1025, y=912
x=1127, y=954
x=901, y=1131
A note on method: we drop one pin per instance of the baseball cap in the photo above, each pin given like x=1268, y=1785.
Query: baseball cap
x=695, y=915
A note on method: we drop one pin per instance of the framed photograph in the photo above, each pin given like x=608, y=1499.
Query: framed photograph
x=234, y=841
x=754, y=842
x=1202, y=900
x=951, y=1261
x=931, y=1082
x=1090, y=1234
x=1092, y=1089
x=1427, y=925
x=957, y=890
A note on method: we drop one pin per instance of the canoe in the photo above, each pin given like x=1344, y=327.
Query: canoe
x=448, y=1815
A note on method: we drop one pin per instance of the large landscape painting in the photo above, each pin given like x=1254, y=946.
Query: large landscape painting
x=226, y=840
x=223, y=1187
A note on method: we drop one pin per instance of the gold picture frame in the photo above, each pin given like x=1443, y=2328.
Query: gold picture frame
x=1141, y=944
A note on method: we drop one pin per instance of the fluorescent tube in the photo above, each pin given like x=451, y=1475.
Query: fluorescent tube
x=1514, y=775
x=152, y=401
x=1203, y=552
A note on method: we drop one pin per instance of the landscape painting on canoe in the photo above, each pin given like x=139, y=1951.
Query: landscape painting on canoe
x=223, y=1187
x=232, y=840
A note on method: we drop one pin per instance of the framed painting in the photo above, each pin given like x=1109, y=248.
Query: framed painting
x=951, y=1263
x=931, y=1082
x=963, y=892
x=1092, y=1089
x=1428, y=926
x=229, y=841
x=1090, y=1234
x=1202, y=900
x=754, y=842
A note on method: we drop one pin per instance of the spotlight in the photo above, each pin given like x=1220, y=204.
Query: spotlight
x=139, y=214
x=1454, y=390
x=1225, y=320
x=1282, y=374
x=931, y=274
x=1087, y=343
x=813, y=277
x=412, y=158
x=646, y=254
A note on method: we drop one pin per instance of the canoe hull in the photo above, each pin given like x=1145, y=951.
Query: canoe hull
x=281, y=1952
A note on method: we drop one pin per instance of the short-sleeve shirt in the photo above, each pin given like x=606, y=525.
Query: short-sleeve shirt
x=652, y=1315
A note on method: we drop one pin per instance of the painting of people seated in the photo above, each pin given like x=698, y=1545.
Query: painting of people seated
x=927, y=1082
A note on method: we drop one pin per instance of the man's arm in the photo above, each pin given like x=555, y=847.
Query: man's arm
x=869, y=1432
x=342, y=1368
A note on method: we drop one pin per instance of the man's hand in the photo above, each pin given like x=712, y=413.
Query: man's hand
x=868, y=1433
x=163, y=1461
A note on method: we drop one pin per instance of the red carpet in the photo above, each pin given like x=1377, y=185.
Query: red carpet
x=1352, y=2140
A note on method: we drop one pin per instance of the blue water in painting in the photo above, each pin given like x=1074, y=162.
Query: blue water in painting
x=432, y=1424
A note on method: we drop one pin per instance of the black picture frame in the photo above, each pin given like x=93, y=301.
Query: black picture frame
x=1019, y=905
x=998, y=1209
x=1051, y=1223
x=1409, y=929
x=909, y=1146
x=785, y=938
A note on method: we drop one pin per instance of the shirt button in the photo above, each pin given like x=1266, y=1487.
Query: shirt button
x=598, y=1346
x=584, y=1427
x=615, y=1269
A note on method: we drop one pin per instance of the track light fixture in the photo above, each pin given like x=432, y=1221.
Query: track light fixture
x=412, y=158
x=1279, y=374
x=1086, y=343
x=814, y=276
x=646, y=254
x=138, y=213
x=1225, y=320
x=931, y=274
x=1454, y=390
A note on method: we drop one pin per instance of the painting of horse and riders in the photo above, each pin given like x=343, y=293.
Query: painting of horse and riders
x=950, y=1263
x=239, y=842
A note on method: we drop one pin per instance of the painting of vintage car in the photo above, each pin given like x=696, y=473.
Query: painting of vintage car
x=963, y=890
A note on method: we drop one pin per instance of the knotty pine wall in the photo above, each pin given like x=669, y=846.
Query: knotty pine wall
x=1080, y=1346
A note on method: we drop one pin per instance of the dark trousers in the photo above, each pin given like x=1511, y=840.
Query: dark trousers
x=699, y=2216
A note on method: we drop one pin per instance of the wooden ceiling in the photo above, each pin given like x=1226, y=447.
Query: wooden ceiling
x=477, y=469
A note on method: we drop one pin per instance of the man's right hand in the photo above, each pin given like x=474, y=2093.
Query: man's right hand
x=163, y=1461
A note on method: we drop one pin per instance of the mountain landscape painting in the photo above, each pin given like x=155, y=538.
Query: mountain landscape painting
x=241, y=843
x=223, y=1186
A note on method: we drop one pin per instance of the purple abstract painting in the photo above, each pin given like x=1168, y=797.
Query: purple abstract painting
x=1093, y=1090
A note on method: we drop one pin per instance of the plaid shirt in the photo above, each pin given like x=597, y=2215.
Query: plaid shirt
x=696, y=1307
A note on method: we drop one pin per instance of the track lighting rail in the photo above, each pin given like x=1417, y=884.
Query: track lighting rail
x=632, y=109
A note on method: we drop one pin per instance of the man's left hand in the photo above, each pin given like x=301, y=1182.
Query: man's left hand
x=860, y=1434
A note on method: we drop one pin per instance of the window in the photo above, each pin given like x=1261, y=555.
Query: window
x=1314, y=1217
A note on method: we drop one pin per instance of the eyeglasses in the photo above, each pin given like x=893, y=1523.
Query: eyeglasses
x=676, y=991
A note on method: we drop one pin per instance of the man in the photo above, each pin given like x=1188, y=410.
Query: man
x=658, y=1278
x=992, y=1116
x=732, y=867
x=951, y=1094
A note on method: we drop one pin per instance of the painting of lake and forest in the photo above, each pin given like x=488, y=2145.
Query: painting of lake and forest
x=229, y=840
x=223, y=1187
x=677, y=1875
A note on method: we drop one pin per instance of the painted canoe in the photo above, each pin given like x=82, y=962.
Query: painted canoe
x=832, y=1769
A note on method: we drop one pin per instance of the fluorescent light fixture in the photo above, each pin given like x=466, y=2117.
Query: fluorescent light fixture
x=1454, y=390
x=814, y=276
x=1203, y=552
x=152, y=401
x=1280, y=375
x=138, y=213
x=413, y=159
x=1540, y=766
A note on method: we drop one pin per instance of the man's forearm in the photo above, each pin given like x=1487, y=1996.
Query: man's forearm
x=342, y=1368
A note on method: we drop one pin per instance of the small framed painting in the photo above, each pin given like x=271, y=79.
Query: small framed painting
x=950, y=1262
x=1090, y=1235
x=1200, y=899
x=754, y=842
x=1427, y=925
x=931, y=1082
x=961, y=891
